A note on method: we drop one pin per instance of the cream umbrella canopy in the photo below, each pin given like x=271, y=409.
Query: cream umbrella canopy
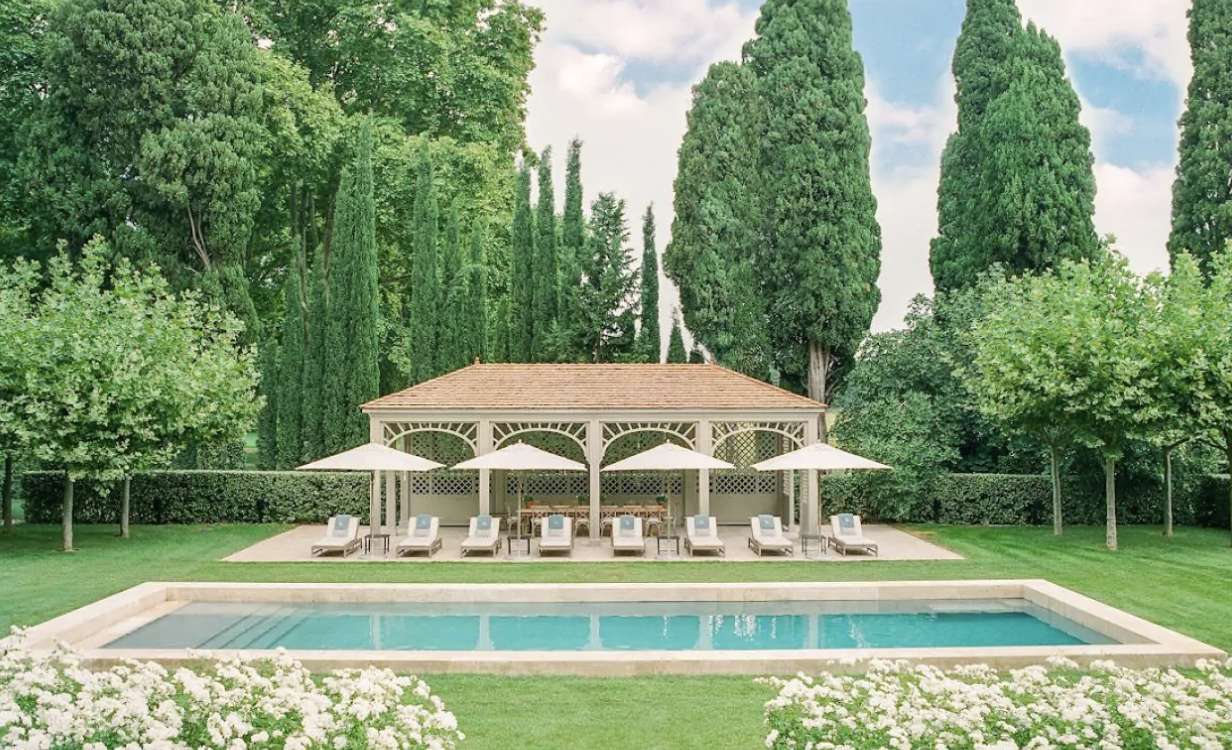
x=819, y=457
x=375, y=458
x=668, y=457
x=521, y=457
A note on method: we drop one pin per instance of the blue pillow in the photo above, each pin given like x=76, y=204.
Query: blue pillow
x=766, y=522
x=341, y=526
x=556, y=523
x=701, y=522
x=483, y=523
x=846, y=522
x=626, y=523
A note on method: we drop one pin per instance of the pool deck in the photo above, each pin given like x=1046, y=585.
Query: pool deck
x=1139, y=643
x=295, y=546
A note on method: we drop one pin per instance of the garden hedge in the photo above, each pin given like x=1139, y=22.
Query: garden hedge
x=293, y=497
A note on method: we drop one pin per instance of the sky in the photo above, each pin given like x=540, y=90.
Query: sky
x=618, y=74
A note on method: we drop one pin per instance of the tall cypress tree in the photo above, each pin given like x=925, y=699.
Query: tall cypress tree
x=650, y=340
x=476, y=314
x=267, y=420
x=425, y=292
x=312, y=435
x=291, y=373
x=572, y=228
x=546, y=294
x=499, y=349
x=450, y=340
x=602, y=318
x=352, y=367
x=522, y=273
x=820, y=265
x=1202, y=193
x=676, y=353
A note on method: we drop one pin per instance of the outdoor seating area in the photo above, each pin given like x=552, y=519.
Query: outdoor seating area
x=491, y=546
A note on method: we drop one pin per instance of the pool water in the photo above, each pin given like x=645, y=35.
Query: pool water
x=626, y=626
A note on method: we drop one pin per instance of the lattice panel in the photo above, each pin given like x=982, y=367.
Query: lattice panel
x=446, y=483
x=767, y=435
x=563, y=438
x=680, y=433
x=743, y=483
x=467, y=432
x=747, y=448
x=556, y=485
x=632, y=484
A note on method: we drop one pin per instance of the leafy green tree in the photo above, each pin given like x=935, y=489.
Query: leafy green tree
x=651, y=344
x=290, y=386
x=1202, y=194
x=676, y=353
x=125, y=375
x=268, y=391
x=352, y=370
x=605, y=306
x=150, y=133
x=546, y=271
x=572, y=231
x=718, y=221
x=820, y=263
x=425, y=292
x=1073, y=350
x=317, y=324
x=522, y=274
x=696, y=357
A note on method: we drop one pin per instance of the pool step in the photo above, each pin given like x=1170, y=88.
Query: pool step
x=280, y=626
x=238, y=632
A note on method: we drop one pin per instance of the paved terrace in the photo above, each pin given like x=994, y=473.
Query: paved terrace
x=295, y=546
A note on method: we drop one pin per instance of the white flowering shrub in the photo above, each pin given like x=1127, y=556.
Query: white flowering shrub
x=51, y=702
x=897, y=706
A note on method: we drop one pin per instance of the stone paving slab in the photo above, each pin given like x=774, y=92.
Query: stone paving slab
x=294, y=546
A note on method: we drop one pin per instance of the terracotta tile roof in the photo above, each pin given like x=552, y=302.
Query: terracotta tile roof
x=510, y=387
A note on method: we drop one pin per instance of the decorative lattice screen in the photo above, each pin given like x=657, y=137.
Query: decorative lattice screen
x=624, y=439
x=744, y=449
x=445, y=448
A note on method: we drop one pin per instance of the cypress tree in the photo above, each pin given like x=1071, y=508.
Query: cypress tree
x=313, y=437
x=711, y=251
x=696, y=357
x=820, y=265
x=291, y=374
x=676, y=353
x=352, y=366
x=425, y=292
x=522, y=273
x=1036, y=192
x=606, y=302
x=476, y=313
x=267, y=420
x=1202, y=193
x=502, y=334
x=572, y=230
x=450, y=339
x=546, y=292
x=650, y=341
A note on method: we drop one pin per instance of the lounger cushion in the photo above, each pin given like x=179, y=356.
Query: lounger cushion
x=766, y=522
x=423, y=525
x=847, y=524
x=701, y=523
x=483, y=523
x=341, y=527
x=556, y=526
x=626, y=524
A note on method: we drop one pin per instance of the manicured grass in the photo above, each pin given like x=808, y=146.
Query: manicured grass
x=1181, y=583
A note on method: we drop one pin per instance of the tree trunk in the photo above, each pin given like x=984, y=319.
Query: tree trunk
x=818, y=370
x=6, y=494
x=124, y=508
x=1167, y=492
x=68, y=513
x=1056, y=489
x=1110, y=497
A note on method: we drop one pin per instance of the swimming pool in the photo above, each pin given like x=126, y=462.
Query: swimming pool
x=631, y=626
x=616, y=630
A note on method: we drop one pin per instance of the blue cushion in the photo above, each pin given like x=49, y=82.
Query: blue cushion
x=701, y=522
x=341, y=525
x=766, y=522
x=423, y=524
x=626, y=523
x=556, y=522
x=846, y=522
x=483, y=523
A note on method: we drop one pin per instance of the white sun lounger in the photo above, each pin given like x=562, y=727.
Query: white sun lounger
x=424, y=537
x=766, y=535
x=483, y=535
x=341, y=535
x=848, y=534
x=557, y=535
x=627, y=536
x=702, y=535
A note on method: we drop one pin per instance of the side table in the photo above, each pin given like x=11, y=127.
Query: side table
x=383, y=538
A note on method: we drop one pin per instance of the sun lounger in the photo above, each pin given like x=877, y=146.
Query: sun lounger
x=557, y=535
x=702, y=535
x=341, y=535
x=627, y=536
x=483, y=535
x=424, y=537
x=766, y=535
x=847, y=534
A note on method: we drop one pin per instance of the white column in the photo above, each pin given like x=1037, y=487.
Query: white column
x=810, y=521
x=391, y=503
x=594, y=457
x=705, y=445
x=483, y=447
x=406, y=489
x=789, y=486
x=375, y=435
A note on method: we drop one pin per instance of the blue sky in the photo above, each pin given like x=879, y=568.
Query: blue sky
x=618, y=74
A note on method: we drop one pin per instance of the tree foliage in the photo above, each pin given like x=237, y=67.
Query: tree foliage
x=425, y=289
x=676, y=354
x=649, y=339
x=546, y=266
x=289, y=402
x=602, y=321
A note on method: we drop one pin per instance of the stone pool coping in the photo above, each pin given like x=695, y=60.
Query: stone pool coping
x=1140, y=643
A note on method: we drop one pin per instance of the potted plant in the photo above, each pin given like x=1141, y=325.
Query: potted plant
x=530, y=502
x=661, y=500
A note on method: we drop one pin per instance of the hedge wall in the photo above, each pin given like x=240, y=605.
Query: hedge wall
x=203, y=497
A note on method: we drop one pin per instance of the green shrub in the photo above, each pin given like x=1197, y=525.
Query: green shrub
x=161, y=497
x=993, y=499
x=1211, y=502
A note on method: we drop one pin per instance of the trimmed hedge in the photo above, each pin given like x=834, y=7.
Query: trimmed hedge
x=161, y=497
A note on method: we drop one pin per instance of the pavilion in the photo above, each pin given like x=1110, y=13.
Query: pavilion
x=597, y=414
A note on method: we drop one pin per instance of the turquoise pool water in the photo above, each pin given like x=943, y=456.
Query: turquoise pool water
x=632, y=626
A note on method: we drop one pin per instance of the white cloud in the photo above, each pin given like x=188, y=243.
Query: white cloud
x=1136, y=206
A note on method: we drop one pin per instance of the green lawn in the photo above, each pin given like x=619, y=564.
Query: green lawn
x=1181, y=583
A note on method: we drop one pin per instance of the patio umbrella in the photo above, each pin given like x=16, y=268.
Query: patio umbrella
x=521, y=457
x=668, y=457
x=375, y=458
x=819, y=457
